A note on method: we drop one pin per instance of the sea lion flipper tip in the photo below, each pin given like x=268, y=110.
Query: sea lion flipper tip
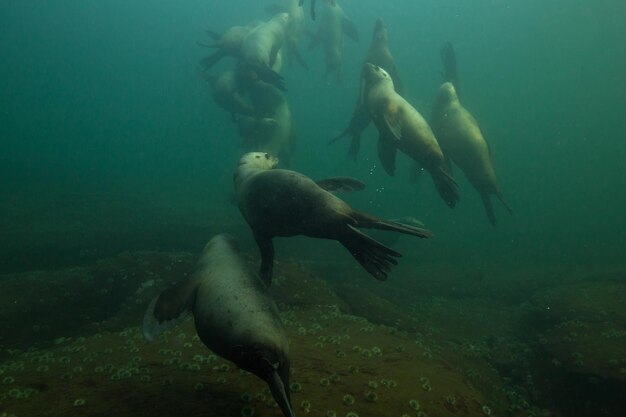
x=341, y=184
x=153, y=327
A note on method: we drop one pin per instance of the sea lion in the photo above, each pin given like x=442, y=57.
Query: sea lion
x=312, y=8
x=255, y=131
x=271, y=103
x=295, y=28
x=228, y=44
x=378, y=54
x=234, y=316
x=462, y=141
x=450, y=72
x=403, y=128
x=260, y=47
x=226, y=94
x=333, y=25
x=278, y=202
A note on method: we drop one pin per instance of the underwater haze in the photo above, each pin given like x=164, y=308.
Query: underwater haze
x=116, y=164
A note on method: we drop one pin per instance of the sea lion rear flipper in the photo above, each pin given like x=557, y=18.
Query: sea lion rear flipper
x=266, y=246
x=415, y=172
x=275, y=9
x=504, y=202
x=387, y=155
x=372, y=222
x=214, y=35
x=355, y=146
x=212, y=59
x=295, y=52
x=489, y=209
x=169, y=308
x=446, y=186
x=376, y=258
x=450, y=72
x=341, y=184
x=349, y=29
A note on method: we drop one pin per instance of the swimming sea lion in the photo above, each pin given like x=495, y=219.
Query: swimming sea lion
x=278, y=202
x=312, y=8
x=450, y=72
x=462, y=141
x=260, y=47
x=333, y=25
x=255, y=131
x=228, y=44
x=402, y=127
x=378, y=54
x=226, y=94
x=234, y=316
x=295, y=28
x=271, y=103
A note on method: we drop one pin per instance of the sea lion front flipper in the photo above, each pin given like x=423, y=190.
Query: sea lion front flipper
x=450, y=72
x=349, y=29
x=266, y=246
x=280, y=392
x=387, y=155
x=169, y=308
x=341, y=184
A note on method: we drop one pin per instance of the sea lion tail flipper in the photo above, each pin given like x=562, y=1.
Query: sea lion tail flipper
x=341, y=184
x=211, y=60
x=387, y=155
x=415, y=172
x=446, y=187
x=349, y=29
x=275, y=9
x=504, y=202
x=266, y=246
x=169, y=308
x=450, y=70
x=489, y=209
x=355, y=146
x=295, y=52
x=371, y=222
x=280, y=392
x=214, y=35
x=376, y=258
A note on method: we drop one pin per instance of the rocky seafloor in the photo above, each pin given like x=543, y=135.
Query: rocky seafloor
x=71, y=345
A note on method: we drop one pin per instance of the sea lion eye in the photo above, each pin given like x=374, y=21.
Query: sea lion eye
x=258, y=156
x=267, y=156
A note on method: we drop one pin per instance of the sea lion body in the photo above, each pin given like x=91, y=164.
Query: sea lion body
x=260, y=47
x=332, y=27
x=462, y=141
x=234, y=316
x=378, y=54
x=278, y=202
x=228, y=44
x=295, y=30
x=225, y=94
x=403, y=128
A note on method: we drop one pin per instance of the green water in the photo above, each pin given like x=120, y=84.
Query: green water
x=110, y=141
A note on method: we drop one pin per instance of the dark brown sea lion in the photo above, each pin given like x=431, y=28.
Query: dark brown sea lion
x=278, y=202
x=462, y=141
x=378, y=54
x=332, y=27
x=403, y=128
x=234, y=316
